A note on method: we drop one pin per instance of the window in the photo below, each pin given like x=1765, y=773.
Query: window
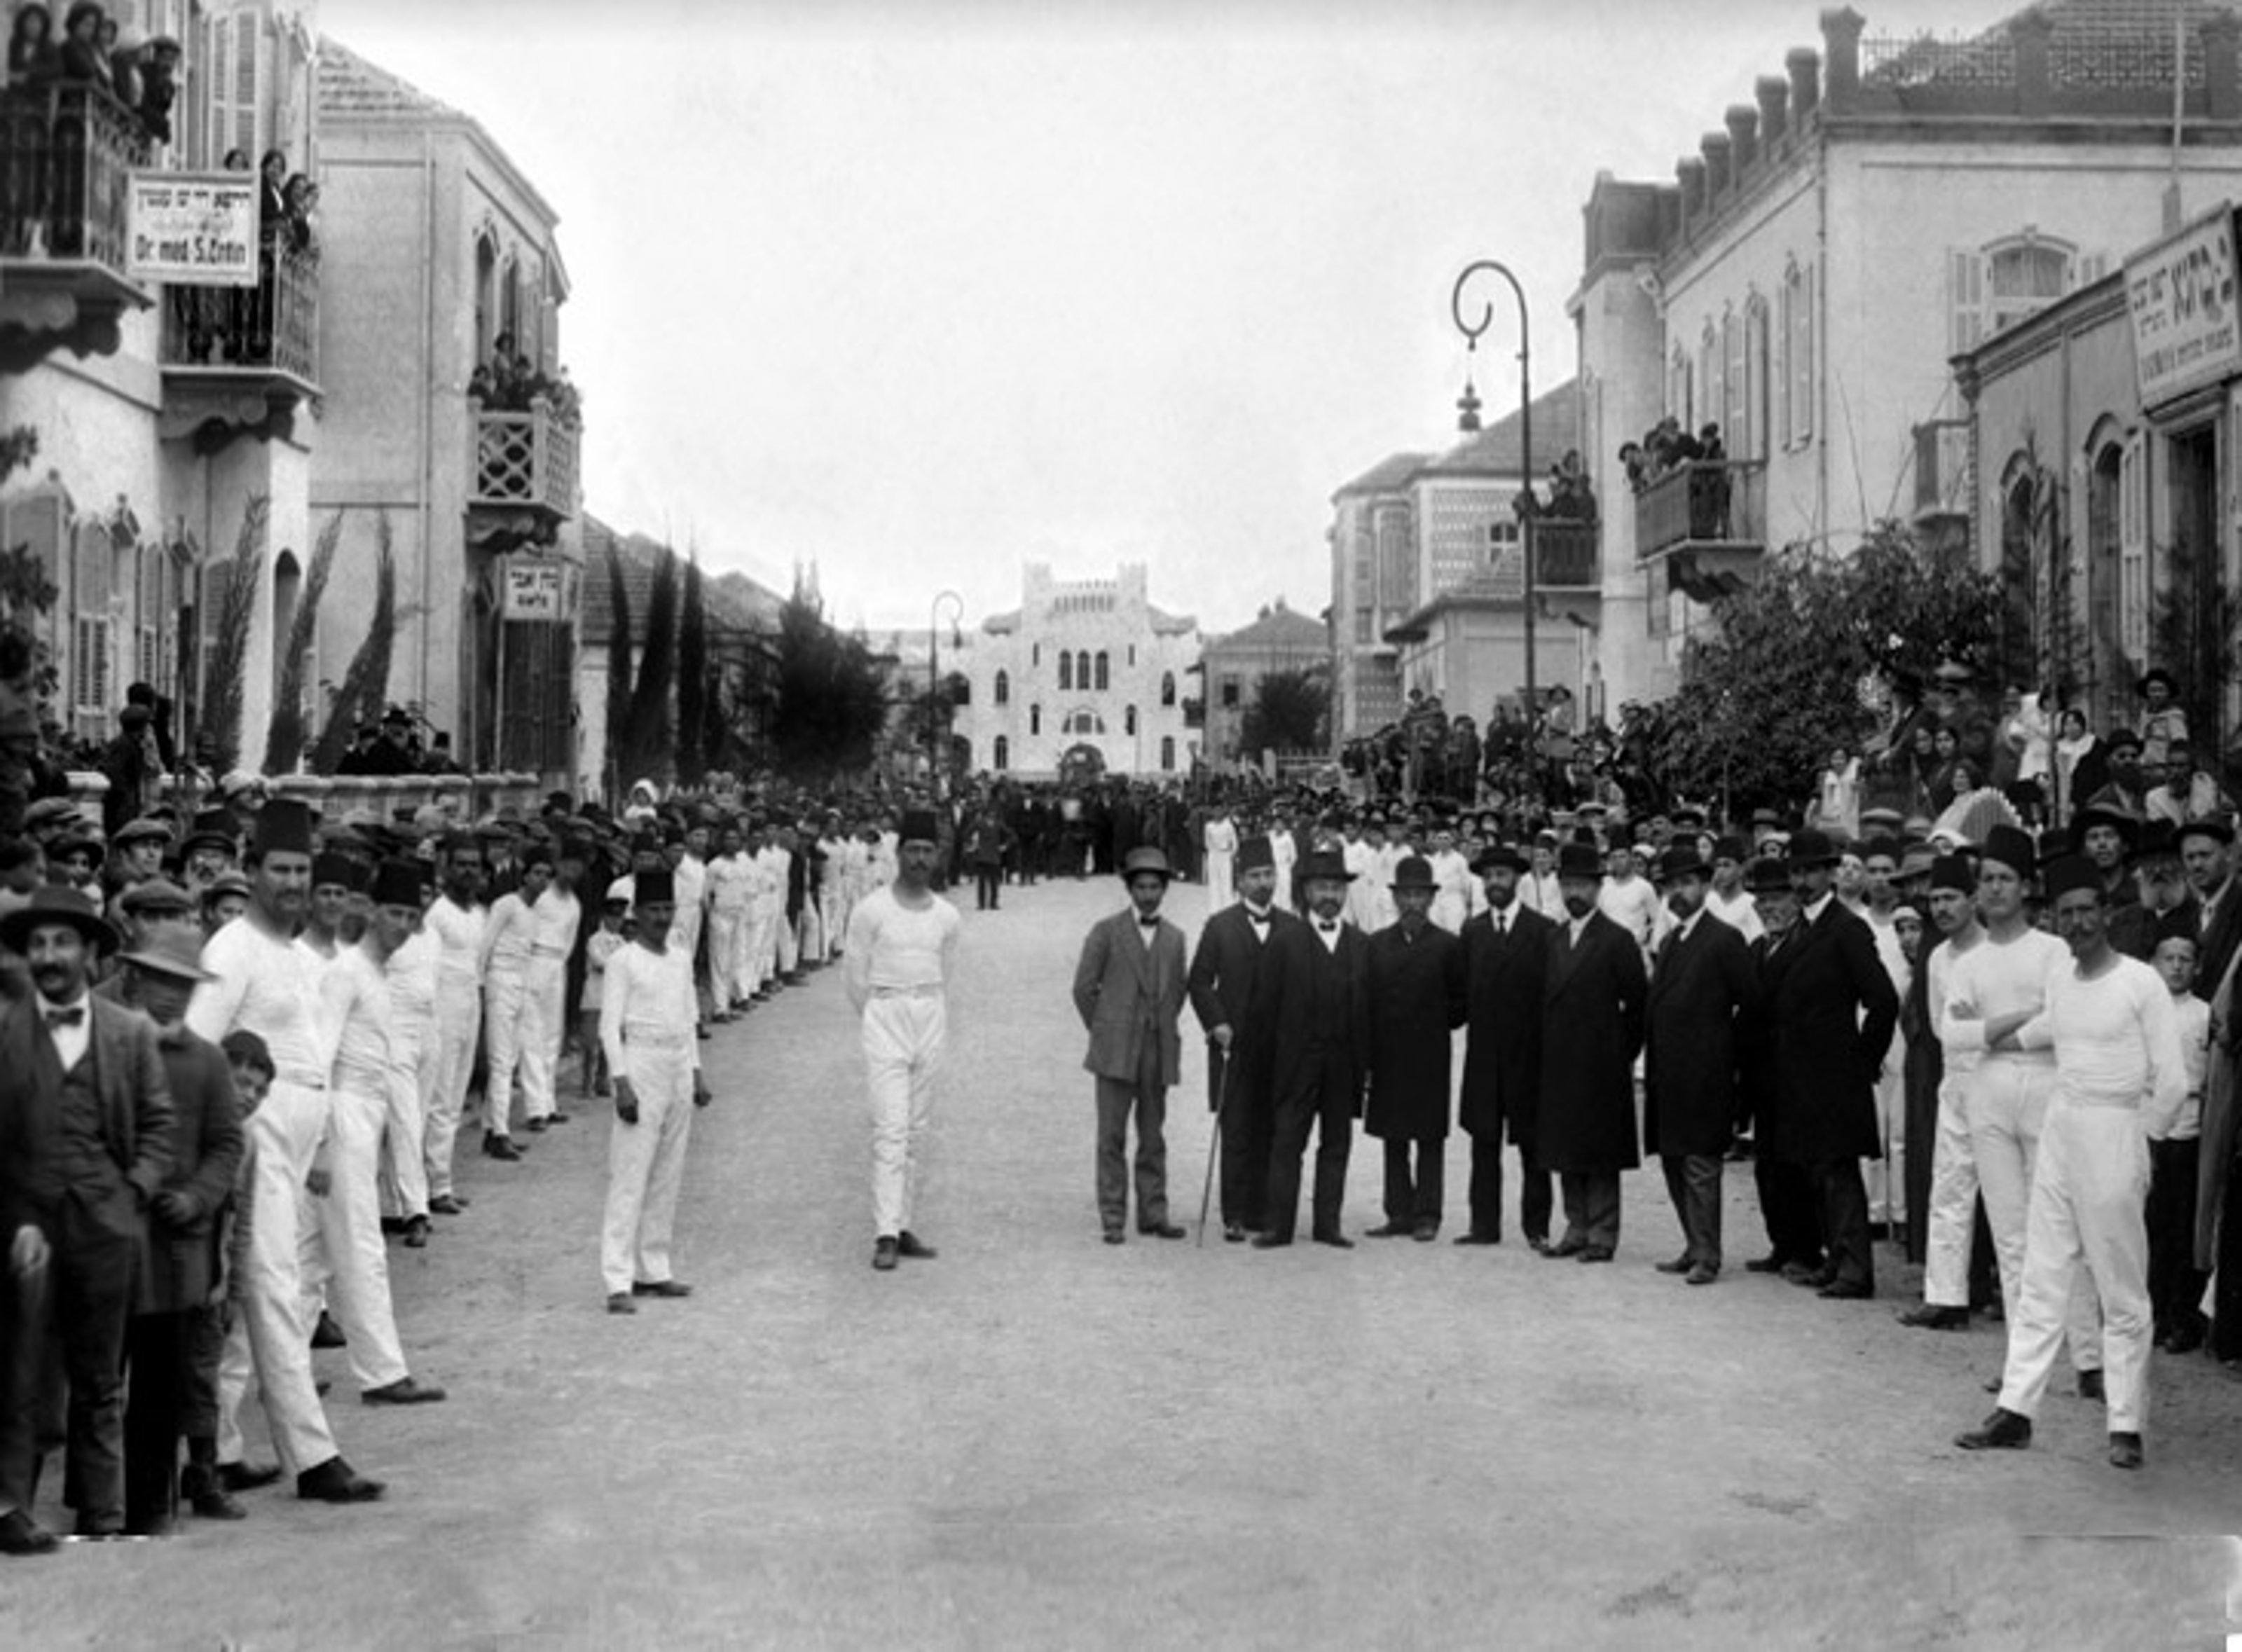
x=89, y=597
x=1083, y=721
x=1749, y=440
x=1132, y=655
x=1128, y=720
x=1993, y=287
x=1167, y=752
x=1735, y=427
x=1362, y=637
x=1065, y=671
x=1035, y=653
x=1167, y=688
x=1004, y=754
x=1708, y=391
x=1678, y=388
x=1230, y=694
x=1035, y=720
x=2133, y=549
x=1102, y=673
x=1004, y=692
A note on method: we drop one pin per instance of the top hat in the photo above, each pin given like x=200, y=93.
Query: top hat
x=1580, y=860
x=175, y=952
x=56, y=903
x=1812, y=848
x=1145, y=858
x=1414, y=872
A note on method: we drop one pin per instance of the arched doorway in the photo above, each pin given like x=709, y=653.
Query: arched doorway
x=1081, y=764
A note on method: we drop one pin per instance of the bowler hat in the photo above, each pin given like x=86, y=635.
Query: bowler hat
x=1729, y=847
x=2159, y=841
x=1414, y=872
x=1679, y=862
x=2126, y=825
x=56, y=903
x=175, y=952
x=1497, y=857
x=1767, y=876
x=1580, y=860
x=1327, y=864
x=2215, y=827
x=1145, y=858
x=2118, y=737
x=1812, y=848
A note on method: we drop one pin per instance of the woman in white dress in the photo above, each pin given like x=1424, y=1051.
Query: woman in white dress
x=1221, y=845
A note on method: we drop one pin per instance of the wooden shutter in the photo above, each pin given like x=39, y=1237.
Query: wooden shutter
x=2133, y=594
x=1965, y=300
x=1801, y=362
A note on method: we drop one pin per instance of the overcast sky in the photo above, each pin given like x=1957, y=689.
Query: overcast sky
x=920, y=292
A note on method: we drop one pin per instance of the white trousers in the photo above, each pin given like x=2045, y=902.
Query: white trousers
x=283, y=1136
x=829, y=924
x=1886, y=1178
x=1953, y=1213
x=506, y=1002
x=2008, y=1104
x=809, y=933
x=459, y=1017
x=340, y=1246
x=2087, y=1226
x=903, y=1037
x=404, y=1142
x=763, y=942
x=545, y=1008
x=646, y=1167
x=788, y=944
x=727, y=957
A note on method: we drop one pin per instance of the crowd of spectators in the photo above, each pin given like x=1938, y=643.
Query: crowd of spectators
x=1666, y=448
x=511, y=382
x=140, y=71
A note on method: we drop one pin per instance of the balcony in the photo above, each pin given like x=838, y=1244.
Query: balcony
x=1567, y=554
x=66, y=153
x=1941, y=482
x=239, y=360
x=522, y=478
x=1705, y=521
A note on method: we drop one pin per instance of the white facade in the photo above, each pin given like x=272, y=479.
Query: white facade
x=1080, y=663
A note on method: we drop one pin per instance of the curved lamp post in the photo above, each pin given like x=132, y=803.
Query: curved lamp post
x=1472, y=332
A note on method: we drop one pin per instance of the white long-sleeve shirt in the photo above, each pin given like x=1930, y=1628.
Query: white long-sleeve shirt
x=1961, y=1059
x=459, y=932
x=893, y=947
x=271, y=987
x=648, y=999
x=2117, y=1044
x=1739, y=912
x=355, y=997
x=508, y=936
x=1996, y=978
x=552, y=920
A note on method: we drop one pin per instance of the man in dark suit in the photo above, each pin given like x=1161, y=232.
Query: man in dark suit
x=1416, y=1001
x=1234, y=996
x=176, y=1336
x=1591, y=1030
x=1787, y=1204
x=1505, y=962
x=1699, y=1003
x=1830, y=1010
x=1323, y=1049
x=85, y=1128
x=1129, y=990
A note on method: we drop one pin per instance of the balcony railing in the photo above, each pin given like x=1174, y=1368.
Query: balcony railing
x=273, y=325
x=1567, y=554
x=1709, y=502
x=525, y=461
x=65, y=154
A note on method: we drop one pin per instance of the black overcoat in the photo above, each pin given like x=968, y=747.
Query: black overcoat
x=1702, y=995
x=1591, y=1033
x=1416, y=1002
x=1503, y=980
x=1830, y=1012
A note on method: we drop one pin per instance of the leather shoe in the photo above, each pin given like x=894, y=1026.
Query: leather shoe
x=2090, y=1386
x=403, y=1392
x=661, y=1288
x=1703, y=1273
x=2124, y=1451
x=1115, y=1236
x=1233, y=1232
x=2002, y=1431
x=1811, y=1279
x=335, y=1481
x=94, y=1529
x=1563, y=1248
x=1387, y=1230
x=909, y=1244
x=2186, y=1340
x=1270, y=1242
x=242, y=1477
x=1162, y=1230
x=537, y=1126
x=1426, y=1232
x=497, y=1146
x=884, y=1255
x=1595, y=1254
x=1477, y=1238
x=21, y=1534
x=447, y=1205
x=211, y=1503
x=1774, y=1263
x=1333, y=1237
x=327, y=1334
x=416, y=1233
x=619, y=1302
x=1679, y=1264
x=556, y=1118
x=1925, y=1317
x=1845, y=1291
x=1537, y=1243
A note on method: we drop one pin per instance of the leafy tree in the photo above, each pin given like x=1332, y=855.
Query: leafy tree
x=619, y=672
x=1777, y=681
x=26, y=673
x=694, y=688
x=365, y=685
x=1289, y=712
x=284, y=739
x=226, y=670
x=829, y=705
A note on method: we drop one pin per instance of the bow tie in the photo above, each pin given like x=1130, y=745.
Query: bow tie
x=1328, y=929
x=1258, y=917
x=66, y=1018
x=1151, y=922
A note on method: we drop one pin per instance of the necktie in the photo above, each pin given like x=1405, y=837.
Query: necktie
x=1151, y=922
x=66, y=1018
x=1502, y=923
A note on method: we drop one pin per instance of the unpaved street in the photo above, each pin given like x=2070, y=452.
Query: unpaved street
x=1038, y=1440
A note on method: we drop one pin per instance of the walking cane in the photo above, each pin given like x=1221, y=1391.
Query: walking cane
x=1214, y=1145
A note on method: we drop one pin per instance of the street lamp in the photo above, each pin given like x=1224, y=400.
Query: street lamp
x=1525, y=431
x=934, y=679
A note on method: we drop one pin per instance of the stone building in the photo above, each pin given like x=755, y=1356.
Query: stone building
x=1802, y=283
x=1233, y=665
x=1085, y=673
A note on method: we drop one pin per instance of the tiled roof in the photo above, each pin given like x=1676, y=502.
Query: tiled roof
x=1495, y=451
x=735, y=602
x=2091, y=43
x=1278, y=627
x=1392, y=472
x=349, y=85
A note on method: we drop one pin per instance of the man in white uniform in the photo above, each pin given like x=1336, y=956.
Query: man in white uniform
x=2120, y=1083
x=456, y=921
x=1952, y=1217
x=509, y=941
x=732, y=882
x=554, y=916
x=263, y=982
x=647, y=1010
x=903, y=942
x=411, y=973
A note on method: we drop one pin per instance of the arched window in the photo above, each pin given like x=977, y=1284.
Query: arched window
x=1168, y=752
x=1083, y=720
x=1003, y=692
x=1128, y=720
x=1035, y=719
x=1004, y=754
x=1167, y=688
x=1035, y=653
x=1104, y=672
x=1065, y=671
